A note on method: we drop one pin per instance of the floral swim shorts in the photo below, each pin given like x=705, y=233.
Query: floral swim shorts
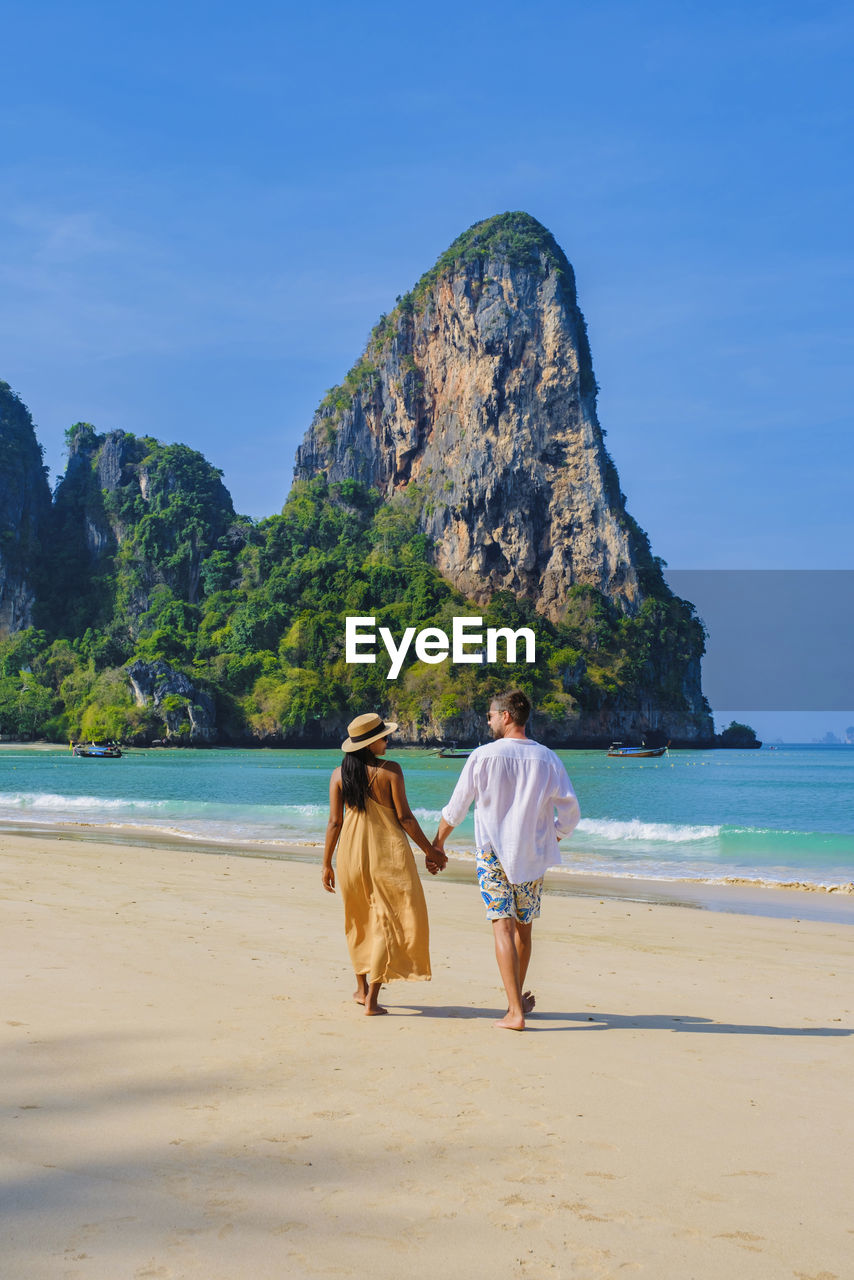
x=505, y=900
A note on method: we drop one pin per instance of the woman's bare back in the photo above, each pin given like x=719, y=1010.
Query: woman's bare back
x=379, y=782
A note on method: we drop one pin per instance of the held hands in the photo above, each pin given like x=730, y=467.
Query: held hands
x=327, y=877
x=436, y=860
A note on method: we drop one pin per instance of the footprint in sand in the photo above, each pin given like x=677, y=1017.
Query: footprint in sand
x=742, y=1238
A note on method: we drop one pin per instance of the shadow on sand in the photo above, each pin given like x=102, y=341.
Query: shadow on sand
x=679, y=1022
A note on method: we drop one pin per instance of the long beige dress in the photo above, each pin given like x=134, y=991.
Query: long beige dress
x=385, y=913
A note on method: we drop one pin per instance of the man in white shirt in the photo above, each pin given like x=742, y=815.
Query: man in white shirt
x=516, y=785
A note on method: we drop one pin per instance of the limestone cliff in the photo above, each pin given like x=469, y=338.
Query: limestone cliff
x=460, y=467
x=479, y=386
x=476, y=396
x=131, y=515
x=188, y=713
x=24, y=507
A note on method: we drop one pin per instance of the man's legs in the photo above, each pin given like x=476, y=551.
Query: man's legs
x=504, y=933
x=524, y=940
x=512, y=908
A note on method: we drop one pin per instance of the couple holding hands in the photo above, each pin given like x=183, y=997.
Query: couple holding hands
x=524, y=803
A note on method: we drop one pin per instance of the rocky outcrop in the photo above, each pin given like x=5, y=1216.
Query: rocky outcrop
x=476, y=396
x=479, y=387
x=24, y=508
x=80, y=492
x=738, y=736
x=188, y=713
x=473, y=413
x=163, y=507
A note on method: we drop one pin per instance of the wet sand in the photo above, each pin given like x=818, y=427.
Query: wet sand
x=189, y=1091
x=801, y=901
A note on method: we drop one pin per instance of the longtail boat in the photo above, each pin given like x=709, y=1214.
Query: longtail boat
x=93, y=752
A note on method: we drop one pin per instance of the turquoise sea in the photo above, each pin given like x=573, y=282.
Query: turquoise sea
x=776, y=815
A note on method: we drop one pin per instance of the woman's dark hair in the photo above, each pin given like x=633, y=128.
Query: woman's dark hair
x=354, y=777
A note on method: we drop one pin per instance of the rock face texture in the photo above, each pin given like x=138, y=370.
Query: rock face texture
x=97, y=466
x=476, y=397
x=24, y=509
x=479, y=387
x=188, y=713
x=164, y=507
x=472, y=412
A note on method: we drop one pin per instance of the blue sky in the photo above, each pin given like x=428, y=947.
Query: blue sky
x=205, y=208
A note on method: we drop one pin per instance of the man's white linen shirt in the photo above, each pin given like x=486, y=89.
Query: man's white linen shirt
x=516, y=785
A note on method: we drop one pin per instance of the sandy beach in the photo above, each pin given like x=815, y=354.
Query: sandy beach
x=189, y=1091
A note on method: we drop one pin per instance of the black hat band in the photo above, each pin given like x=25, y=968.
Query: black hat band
x=371, y=733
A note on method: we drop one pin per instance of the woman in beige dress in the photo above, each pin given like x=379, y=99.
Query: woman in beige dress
x=385, y=914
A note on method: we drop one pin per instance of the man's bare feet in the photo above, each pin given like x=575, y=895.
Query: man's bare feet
x=372, y=1012
x=360, y=995
x=511, y=1022
x=529, y=1001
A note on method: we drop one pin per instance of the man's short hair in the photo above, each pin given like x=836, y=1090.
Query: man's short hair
x=515, y=703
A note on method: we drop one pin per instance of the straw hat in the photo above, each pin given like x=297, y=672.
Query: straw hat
x=366, y=729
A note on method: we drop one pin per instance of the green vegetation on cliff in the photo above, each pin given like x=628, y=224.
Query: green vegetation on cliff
x=515, y=239
x=132, y=522
x=738, y=735
x=142, y=560
x=265, y=636
x=24, y=491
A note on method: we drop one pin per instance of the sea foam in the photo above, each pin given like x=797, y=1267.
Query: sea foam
x=635, y=829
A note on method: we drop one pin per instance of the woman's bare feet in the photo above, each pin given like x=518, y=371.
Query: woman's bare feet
x=372, y=995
